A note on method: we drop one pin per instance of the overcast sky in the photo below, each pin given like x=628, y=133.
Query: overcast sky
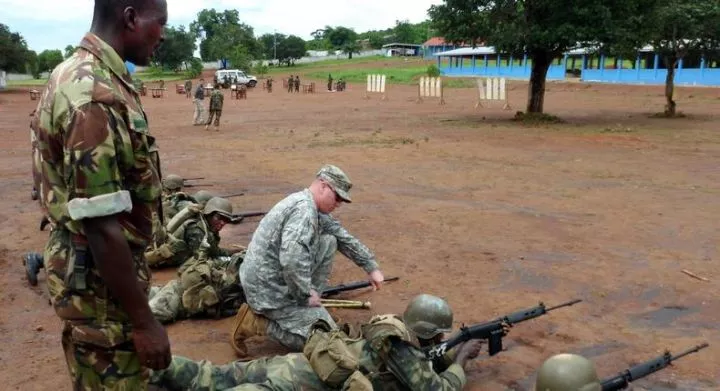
x=54, y=24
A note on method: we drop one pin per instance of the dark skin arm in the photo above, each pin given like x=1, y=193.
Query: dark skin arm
x=112, y=256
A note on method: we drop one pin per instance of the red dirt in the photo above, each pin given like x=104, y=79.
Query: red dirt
x=493, y=215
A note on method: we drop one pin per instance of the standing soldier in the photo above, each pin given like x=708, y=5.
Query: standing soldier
x=216, y=105
x=198, y=101
x=297, y=83
x=330, y=79
x=188, y=89
x=269, y=84
x=101, y=183
x=291, y=81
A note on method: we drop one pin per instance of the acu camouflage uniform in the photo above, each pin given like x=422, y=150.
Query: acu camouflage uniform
x=98, y=159
x=216, y=105
x=208, y=282
x=388, y=357
x=291, y=252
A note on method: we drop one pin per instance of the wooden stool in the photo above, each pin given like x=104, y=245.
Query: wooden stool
x=157, y=92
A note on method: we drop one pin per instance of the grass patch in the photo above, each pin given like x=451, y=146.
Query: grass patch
x=30, y=82
x=330, y=63
x=167, y=76
x=537, y=118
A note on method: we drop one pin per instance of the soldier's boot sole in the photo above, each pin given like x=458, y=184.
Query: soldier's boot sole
x=245, y=325
x=30, y=274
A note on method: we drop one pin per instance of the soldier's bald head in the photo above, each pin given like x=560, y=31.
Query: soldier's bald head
x=134, y=28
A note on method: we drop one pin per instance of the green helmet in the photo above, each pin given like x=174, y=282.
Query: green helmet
x=172, y=182
x=567, y=372
x=428, y=316
x=220, y=206
x=202, y=197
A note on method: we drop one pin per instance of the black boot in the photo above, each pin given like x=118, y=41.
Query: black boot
x=33, y=263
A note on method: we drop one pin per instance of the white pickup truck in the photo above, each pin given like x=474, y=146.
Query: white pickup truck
x=242, y=77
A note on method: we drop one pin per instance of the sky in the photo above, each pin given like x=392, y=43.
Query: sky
x=54, y=24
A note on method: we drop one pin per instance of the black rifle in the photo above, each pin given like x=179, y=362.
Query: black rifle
x=232, y=195
x=493, y=331
x=194, y=179
x=623, y=379
x=239, y=217
x=351, y=286
x=197, y=185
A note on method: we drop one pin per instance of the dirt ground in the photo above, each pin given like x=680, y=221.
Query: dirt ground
x=495, y=216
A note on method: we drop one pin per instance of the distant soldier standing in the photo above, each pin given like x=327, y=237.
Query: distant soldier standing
x=269, y=85
x=198, y=101
x=188, y=89
x=330, y=79
x=216, y=105
x=291, y=81
x=297, y=83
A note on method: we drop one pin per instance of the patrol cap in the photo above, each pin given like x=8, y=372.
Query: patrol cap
x=337, y=180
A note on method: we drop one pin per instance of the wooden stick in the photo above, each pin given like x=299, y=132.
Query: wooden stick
x=356, y=305
x=693, y=275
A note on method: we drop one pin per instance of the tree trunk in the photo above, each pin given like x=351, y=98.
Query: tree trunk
x=349, y=55
x=670, y=63
x=536, y=92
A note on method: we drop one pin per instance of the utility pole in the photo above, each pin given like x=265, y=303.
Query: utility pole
x=275, y=46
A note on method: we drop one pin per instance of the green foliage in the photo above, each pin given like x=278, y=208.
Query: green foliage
x=177, y=48
x=69, y=50
x=48, y=60
x=13, y=50
x=433, y=70
x=240, y=58
x=32, y=64
x=261, y=70
x=222, y=33
x=195, y=69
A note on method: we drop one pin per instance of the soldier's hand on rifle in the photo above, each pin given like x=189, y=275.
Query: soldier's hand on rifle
x=376, y=279
x=468, y=351
x=314, y=299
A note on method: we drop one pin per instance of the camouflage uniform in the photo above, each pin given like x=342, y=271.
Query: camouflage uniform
x=188, y=88
x=173, y=203
x=216, y=105
x=291, y=252
x=390, y=362
x=208, y=281
x=198, y=99
x=98, y=159
x=297, y=83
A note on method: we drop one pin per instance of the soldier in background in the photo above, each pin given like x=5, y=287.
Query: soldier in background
x=216, y=105
x=297, y=83
x=198, y=101
x=330, y=80
x=387, y=355
x=291, y=81
x=188, y=89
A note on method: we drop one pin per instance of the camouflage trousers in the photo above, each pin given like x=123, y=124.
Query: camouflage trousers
x=198, y=114
x=208, y=287
x=291, y=325
x=280, y=373
x=93, y=367
x=214, y=114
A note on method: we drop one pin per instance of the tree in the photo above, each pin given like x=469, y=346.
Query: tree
x=240, y=58
x=342, y=38
x=404, y=32
x=47, y=60
x=678, y=28
x=31, y=66
x=221, y=33
x=292, y=48
x=13, y=51
x=177, y=48
x=69, y=50
x=350, y=47
x=544, y=29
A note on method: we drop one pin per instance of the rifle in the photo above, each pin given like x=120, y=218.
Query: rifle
x=351, y=286
x=239, y=217
x=232, y=195
x=197, y=184
x=493, y=330
x=194, y=179
x=639, y=371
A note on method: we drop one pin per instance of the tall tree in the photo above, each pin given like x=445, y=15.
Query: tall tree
x=47, y=60
x=221, y=33
x=177, y=48
x=342, y=38
x=404, y=32
x=544, y=29
x=13, y=50
x=292, y=48
x=69, y=50
x=678, y=28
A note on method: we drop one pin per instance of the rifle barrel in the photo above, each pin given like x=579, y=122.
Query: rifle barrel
x=566, y=304
x=690, y=351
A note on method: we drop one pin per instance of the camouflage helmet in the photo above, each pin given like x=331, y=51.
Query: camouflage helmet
x=202, y=197
x=172, y=182
x=565, y=371
x=220, y=206
x=428, y=316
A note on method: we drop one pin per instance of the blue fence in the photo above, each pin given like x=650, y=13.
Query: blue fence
x=483, y=68
x=702, y=76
